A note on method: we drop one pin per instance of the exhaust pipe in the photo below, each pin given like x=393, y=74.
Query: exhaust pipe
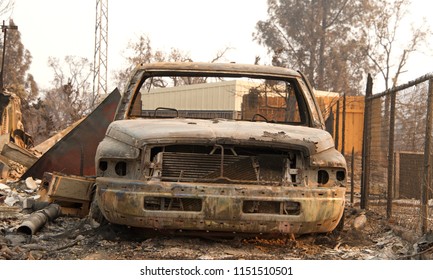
x=39, y=218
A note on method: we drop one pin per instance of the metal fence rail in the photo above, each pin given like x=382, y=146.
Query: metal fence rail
x=397, y=168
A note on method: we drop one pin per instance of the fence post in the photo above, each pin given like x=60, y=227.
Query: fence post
x=343, y=126
x=352, y=176
x=366, y=138
x=426, y=182
x=391, y=156
x=337, y=125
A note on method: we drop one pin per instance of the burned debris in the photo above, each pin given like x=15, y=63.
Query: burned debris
x=37, y=219
x=54, y=193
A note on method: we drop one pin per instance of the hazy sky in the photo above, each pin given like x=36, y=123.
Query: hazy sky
x=201, y=28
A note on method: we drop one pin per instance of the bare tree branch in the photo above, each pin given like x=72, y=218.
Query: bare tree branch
x=6, y=6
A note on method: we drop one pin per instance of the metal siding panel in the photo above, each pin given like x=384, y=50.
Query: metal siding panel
x=225, y=96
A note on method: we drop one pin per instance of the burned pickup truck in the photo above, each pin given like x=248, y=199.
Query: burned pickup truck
x=221, y=148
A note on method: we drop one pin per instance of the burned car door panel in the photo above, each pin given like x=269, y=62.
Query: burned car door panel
x=219, y=148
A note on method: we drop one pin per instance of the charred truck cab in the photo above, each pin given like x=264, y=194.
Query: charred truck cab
x=220, y=148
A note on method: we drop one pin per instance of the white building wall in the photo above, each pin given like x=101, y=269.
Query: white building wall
x=225, y=95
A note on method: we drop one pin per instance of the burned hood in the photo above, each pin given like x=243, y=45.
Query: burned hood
x=139, y=132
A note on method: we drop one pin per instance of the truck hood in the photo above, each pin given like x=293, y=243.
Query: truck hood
x=139, y=132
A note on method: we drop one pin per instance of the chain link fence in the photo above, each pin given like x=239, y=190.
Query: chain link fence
x=396, y=178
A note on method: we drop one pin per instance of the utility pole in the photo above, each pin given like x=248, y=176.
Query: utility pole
x=4, y=98
x=100, y=61
x=4, y=30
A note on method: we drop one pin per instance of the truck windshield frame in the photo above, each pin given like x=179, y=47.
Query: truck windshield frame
x=254, y=98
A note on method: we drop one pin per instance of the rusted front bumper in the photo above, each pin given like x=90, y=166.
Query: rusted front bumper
x=221, y=207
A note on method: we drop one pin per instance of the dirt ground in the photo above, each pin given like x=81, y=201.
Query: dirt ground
x=68, y=238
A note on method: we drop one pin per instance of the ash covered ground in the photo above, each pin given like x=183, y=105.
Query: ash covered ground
x=70, y=238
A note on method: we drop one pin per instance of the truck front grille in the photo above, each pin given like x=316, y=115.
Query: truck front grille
x=185, y=167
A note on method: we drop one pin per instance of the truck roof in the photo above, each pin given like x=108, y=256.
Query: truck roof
x=226, y=68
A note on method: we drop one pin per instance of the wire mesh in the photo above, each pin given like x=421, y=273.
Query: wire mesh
x=402, y=205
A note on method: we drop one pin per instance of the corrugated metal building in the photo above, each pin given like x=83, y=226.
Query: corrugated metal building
x=223, y=96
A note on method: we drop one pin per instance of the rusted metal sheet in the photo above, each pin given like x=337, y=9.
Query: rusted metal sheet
x=75, y=153
x=43, y=147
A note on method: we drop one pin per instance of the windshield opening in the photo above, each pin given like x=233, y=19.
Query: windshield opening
x=208, y=97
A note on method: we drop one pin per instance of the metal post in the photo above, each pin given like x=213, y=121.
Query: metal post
x=343, y=128
x=396, y=187
x=329, y=123
x=352, y=176
x=426, y=182
x=337, y=125
x=365, y=178
x=391, y=156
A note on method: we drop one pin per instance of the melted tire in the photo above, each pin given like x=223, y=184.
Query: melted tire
x=340, y=226
x=96, y=219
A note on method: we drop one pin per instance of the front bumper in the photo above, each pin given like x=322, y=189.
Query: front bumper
x=222, y=206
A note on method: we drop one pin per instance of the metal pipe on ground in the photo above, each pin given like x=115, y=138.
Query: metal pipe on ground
x=39, y=218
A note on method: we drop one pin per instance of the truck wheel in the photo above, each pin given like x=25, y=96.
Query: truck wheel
x=96, y=219
x=339, y=228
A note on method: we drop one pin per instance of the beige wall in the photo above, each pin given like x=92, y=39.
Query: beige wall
x=354, y=120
